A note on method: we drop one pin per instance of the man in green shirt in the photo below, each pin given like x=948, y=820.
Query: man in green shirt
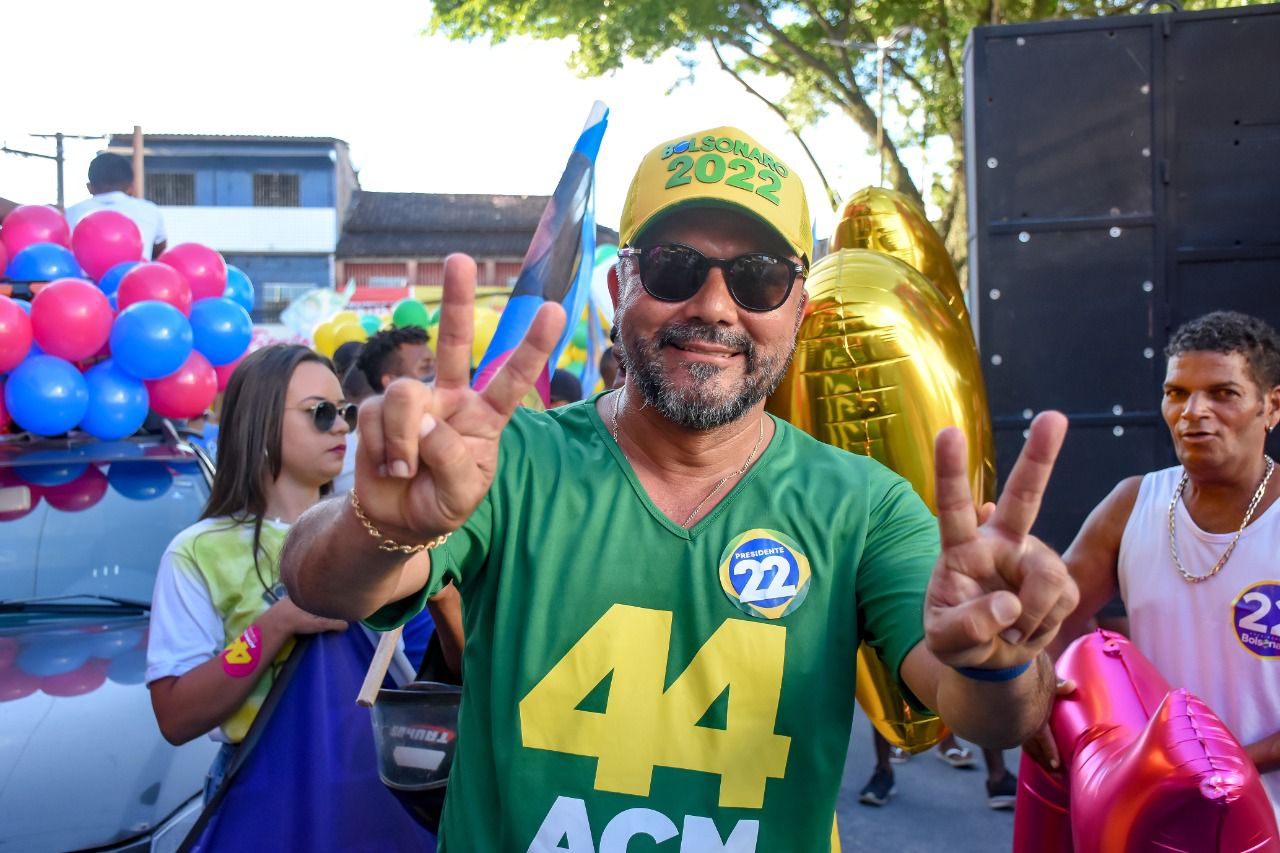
x=663, y=586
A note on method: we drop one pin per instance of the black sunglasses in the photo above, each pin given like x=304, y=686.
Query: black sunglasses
x=674, y=272
x=324, y=413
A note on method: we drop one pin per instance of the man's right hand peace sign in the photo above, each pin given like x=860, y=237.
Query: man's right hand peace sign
x=427, y=455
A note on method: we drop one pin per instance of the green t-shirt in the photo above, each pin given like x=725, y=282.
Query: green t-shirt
x=626, y=677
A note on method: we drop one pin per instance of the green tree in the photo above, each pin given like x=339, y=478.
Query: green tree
x=825, y=50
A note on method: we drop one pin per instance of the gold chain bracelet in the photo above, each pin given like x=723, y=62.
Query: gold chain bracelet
x=387, y=544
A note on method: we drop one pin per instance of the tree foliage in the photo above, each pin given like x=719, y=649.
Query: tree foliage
x=824, y=49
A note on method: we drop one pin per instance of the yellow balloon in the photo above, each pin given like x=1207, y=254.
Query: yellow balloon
x=347, y=332
x=322, y=337
x=486, y=323
x=882, y=363
x=887, y=221
x=343, y=317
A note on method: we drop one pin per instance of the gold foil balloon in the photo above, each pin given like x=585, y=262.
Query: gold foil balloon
x=888, y=222
x=883, y=362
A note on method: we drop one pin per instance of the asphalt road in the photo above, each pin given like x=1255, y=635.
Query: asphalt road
x=937, y=807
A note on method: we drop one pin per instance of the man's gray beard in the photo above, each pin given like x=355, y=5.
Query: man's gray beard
x=691, y=408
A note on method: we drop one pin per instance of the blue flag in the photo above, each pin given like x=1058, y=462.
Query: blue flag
x=308, y=775
x=557, y=267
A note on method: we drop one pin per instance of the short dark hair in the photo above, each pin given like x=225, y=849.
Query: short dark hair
x=355, y=387
x=345, y=356
x=565, y=386
x=1228, y=332
x=380, y=349
x=110, y=170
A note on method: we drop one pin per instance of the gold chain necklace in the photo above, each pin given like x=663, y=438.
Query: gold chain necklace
x=1248, y=514
x=617, y=399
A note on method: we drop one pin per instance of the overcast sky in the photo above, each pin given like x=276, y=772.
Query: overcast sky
x=421, y=113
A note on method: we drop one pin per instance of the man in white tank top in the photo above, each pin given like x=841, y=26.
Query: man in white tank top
x=1195, y=549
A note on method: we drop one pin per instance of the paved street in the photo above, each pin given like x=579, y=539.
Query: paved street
x=937, y=807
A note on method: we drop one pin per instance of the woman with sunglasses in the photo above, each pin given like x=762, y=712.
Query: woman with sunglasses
x=220, y=621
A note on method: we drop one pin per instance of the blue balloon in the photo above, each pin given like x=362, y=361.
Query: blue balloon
x=118, y=403
x=43, y=262
x=139, y=481
x=239, y=288
x=110, y=280
x=128, y=668
x=46, y=395
x=150, y=340
x=50, y=473
x=53, y=655
x=222, y=330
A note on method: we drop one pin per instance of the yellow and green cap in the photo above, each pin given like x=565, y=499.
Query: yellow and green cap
x=722, y=167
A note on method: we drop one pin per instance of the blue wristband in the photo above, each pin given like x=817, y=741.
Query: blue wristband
x=993, y=674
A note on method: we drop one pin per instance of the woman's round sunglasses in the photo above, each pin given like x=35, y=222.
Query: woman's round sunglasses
x=674, y=272
x=325, y=413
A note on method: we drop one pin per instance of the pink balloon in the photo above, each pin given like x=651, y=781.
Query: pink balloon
x=187, y=393
x=103, y=239
x=80, y=494
x=71, y=319
x=16, y=684
x=154, y=281
x=15, y=334
x=34, y=223
x=224, y=372
x=1146, y=767
x=4, y=258
x=202, y=267
x=90, y=675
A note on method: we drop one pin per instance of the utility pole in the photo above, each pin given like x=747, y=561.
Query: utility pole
x=57, y=157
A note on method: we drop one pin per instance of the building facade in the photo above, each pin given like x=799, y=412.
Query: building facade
x=272, y=205
x=400, y=240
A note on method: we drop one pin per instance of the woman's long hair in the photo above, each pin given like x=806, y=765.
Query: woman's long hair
x=249, y=438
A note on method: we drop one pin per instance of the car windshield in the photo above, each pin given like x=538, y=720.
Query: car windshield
x=85, y=533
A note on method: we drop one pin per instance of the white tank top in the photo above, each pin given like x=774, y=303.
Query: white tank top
x=1220, y=638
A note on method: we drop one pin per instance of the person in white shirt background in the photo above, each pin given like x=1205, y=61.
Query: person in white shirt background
x=111, y=188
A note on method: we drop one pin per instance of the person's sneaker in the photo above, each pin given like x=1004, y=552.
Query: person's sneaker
x=879, y=789
x=898, y=755
x=1003, y=793
x=956, y=756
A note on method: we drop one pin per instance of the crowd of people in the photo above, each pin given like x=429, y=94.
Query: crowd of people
x=715, y=568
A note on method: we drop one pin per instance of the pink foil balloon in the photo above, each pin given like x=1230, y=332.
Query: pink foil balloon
x=103, y=239
x=1146, y=768
x=202, y=267
x=33, y=223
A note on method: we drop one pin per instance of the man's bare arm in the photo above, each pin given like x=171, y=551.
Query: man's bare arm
x=1093, y=557
x=332, y=566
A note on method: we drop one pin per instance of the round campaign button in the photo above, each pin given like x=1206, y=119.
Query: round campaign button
x=1257, y=619
x=764, y=573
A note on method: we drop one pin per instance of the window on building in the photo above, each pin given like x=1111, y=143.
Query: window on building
x=171, y=188
x=275, y=189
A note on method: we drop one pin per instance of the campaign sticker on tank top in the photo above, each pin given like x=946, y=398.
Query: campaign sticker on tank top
x=764, y=573
x=1256, y=615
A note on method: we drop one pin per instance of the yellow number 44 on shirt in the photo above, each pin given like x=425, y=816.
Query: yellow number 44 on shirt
x=644, y=726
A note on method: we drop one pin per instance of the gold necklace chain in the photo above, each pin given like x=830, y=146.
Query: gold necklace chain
x=617, y=399
x=1248, y=514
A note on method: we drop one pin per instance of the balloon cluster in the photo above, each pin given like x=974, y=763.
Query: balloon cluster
x=77, y=486
x=71, y=661
x=161, y=335
x=348, y=325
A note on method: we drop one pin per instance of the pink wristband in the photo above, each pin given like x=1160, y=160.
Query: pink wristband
x=241, y=658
